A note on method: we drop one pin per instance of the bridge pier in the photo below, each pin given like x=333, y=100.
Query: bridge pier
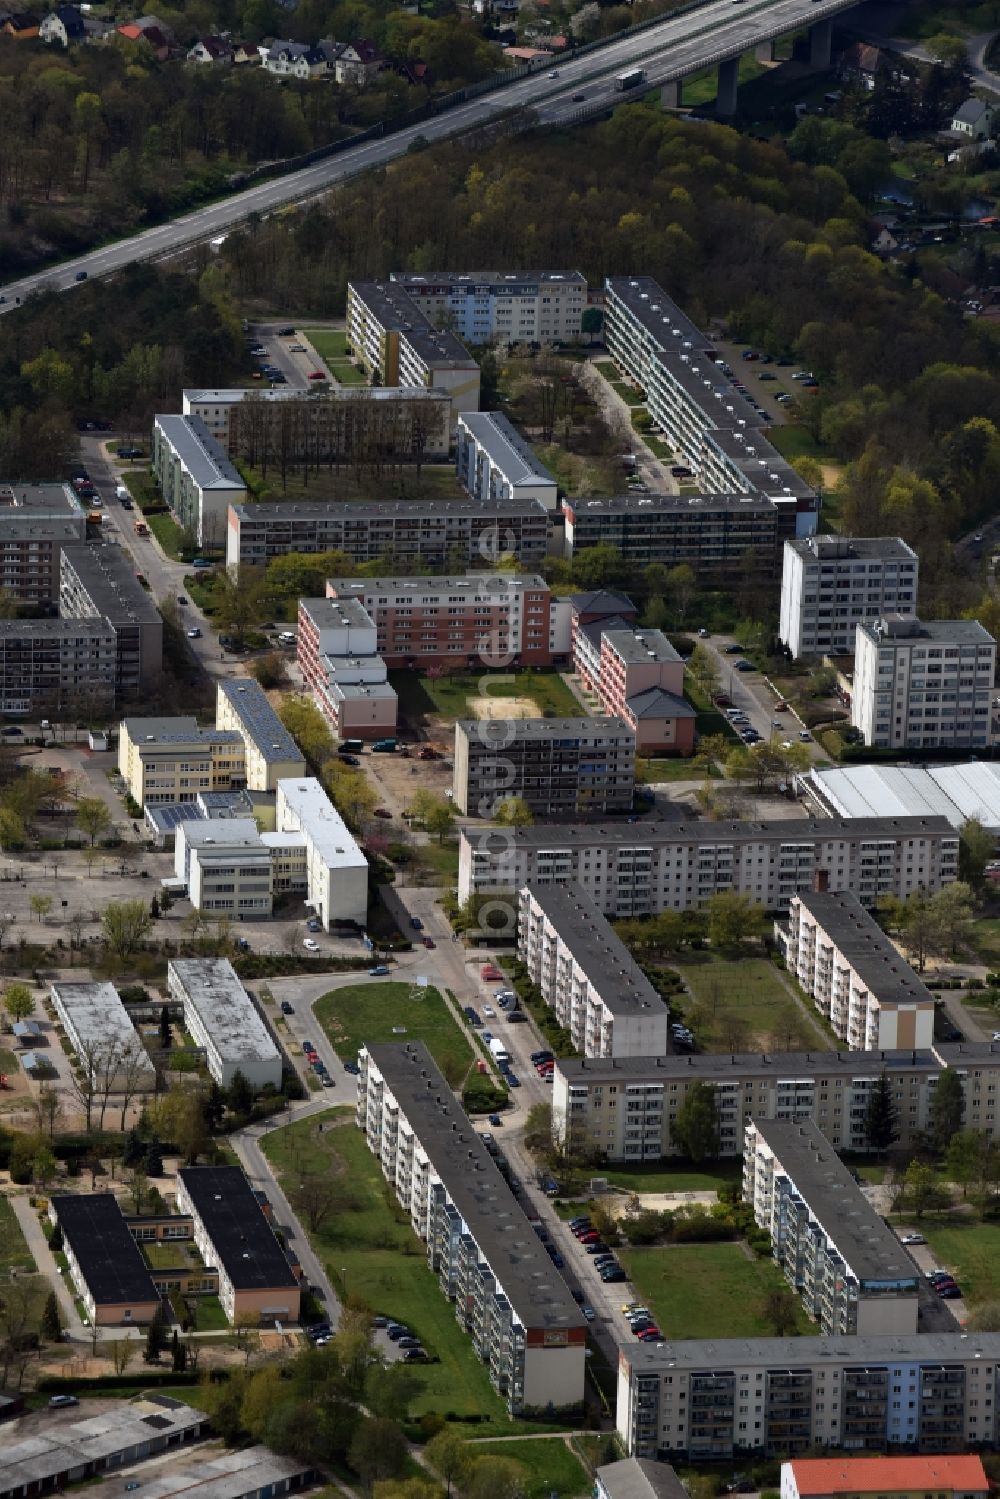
x=764, y=51
x=672, y=94
x=725, y=98
x=820, y=36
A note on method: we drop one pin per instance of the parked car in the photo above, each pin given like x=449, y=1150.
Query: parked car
x=286, y=1008
x=194, y=634
x=352, y=1068
x=384, y=813
x=310, y=945
x=416, y=924
x=912, y=1239
x=379, y=971
x=312, y=925
x=496, y=1121
x=429, y=943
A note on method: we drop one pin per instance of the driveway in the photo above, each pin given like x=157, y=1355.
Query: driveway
x=934, y=1315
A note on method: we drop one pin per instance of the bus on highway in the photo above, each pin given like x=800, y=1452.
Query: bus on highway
x=629, y=79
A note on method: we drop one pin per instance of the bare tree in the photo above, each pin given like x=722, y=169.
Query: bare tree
x=122, y=1353
x=83, y=1082
x=110, y=1061
x=132, y=1070
x=19, y=1319
x=47, y=1108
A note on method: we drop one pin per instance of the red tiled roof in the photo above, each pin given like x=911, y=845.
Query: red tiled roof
x=887, y=1475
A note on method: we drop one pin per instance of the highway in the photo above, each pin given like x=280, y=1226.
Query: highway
x=674, y=48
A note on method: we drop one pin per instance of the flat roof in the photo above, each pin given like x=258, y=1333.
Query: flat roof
x=887, y=1475
x=637, y=646
x=478, y=585
x=604, y=959
x=704, y=384
x=837, y=548
x=259, y=720
x=819, y=1177
x=101, y=1020
x=321, y=822
x=661, y=834
x=696, y=506
x=760, y=462
x=196, y=448
x=107, y=574
x=66, y=629
x=327, y=614
x=240, y=1233
x=495, y=280
x=219, y=834
x=774, y=1066
x=355, y=691
x=117, y=1429
x=640, y=1478
x=224, y=1008
x=957, y=792
x=224, y=1475
x=907, y=629
x=656, y=312
x=338, y=393
x=34, y=527
x=857, y=935
x=397, y=312
x=110, y=1260
x=698, y=1354
x=17, y=500
x=442, y=510
x=538, y=1295
x=506, y=449
x=570, y=731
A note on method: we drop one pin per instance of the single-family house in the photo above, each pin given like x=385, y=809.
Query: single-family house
x=883, y=241
x=21, y=25
x=150, y=34
x=359, y=62
x=296, y=60
x=414, y=73
x=973, y=119
x=211, y=49
x=62, y=26
x=245, y=52
x=864, y=63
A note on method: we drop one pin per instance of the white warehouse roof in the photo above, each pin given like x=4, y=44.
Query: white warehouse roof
x=958, y=792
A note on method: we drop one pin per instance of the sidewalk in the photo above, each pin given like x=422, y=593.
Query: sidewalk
x=45, y=1260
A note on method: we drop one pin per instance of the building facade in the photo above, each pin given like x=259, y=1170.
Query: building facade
x=719, y=535
x=195, y=476
x=455, y=621
x=596, y=989
x=506, y=307
x=508, y=1296
x=98, y=581
x=633, y=871
x=271, y=753
x=736, y=1398
x=225, y=867
x=336, y=868
x=53, y=668
x=850, y=1271
x=494, y=462
x=561, y=767
x=36, y=522
x=420, y=534
x=858, y=979
x=831, y=583
x=637, y=676
x=924, y=685
x=395, y=344
x=172, y=759
x=348, y=678
x=402, y=424
x=221, y=1017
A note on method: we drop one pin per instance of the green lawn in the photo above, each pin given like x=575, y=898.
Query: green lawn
x=649, y=772
x=210, y=1315
x=665, y=1178
x=706, y=1290
x=971, y=1251
x=375, y=1012
x=741, y=1004
x=449, y=697
x=439, y=860
x=658, y=447
x=346, y=373
x=13, y=1249
x=329, y=343
x=986, y=935
x=549, y=1466
x=373, y=1251
x=168, y=533
x=795, y=441
x=701, y=88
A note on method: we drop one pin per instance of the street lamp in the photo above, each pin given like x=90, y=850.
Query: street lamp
x=343, y=1277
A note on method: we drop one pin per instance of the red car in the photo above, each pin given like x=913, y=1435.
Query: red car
x=491, y=973
x=650, y=1335
x=591, y=1236
x=428, y=942
x=316, y=375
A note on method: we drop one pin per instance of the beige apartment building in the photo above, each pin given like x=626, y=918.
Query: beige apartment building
x=271, y=752
x=172, y=759
x=858, y=979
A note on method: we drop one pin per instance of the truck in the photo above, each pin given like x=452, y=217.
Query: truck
x=140, y=528
x=384, y=747
x=629, y=79
x=499, y=1050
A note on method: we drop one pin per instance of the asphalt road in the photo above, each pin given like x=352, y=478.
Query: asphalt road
x=678, y=46
x=750, y=692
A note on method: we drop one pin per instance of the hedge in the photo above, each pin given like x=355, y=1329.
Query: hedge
x=68, y=1384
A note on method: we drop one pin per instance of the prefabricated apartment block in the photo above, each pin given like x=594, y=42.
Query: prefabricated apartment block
x=849, y=1269
x=831, y=583
x=561, y=767
x=923, y=684
x=233, y=1234
x=633, y=870
x=271, y=752
x=593, y=984
x=221, y=1017
x=507, y=1294
x=101, y=1033
x=106, y=1265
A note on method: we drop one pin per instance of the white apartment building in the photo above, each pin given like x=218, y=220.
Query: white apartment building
x=585, y=973
x=173, y=759
x=412, y=422
x=633, y=870
x=225, y=867
x=494, y=462
x=336, y=869
x=849, y=1269
x=857, y=977
x=507, y=1294
x=712, y=428
x=831, y=583
x=271, y=753
x=624, y=1108
x=195, y=476
x=924, y=685
x=506, y=307
x=733, y=1398
x=220, y=1016
x=100, y=1031
x=397, y=345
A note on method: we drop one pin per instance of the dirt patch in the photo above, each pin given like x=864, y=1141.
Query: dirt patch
x=503, y=707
